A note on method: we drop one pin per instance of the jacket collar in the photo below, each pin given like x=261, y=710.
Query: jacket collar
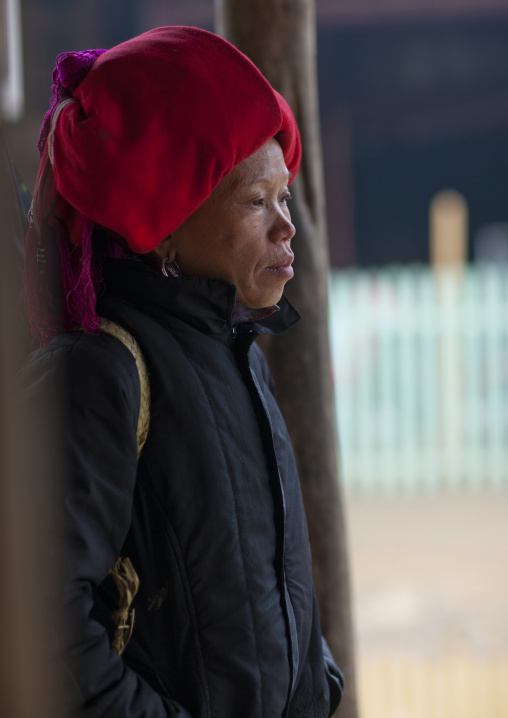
x=207, y=304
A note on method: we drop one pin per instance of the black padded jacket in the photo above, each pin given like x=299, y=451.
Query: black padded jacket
x=211, y=516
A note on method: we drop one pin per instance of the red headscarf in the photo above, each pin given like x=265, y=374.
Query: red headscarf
x=159, y=121
x=145, y=137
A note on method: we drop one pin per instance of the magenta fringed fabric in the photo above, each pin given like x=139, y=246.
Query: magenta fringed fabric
x=79, y=279
x=62, y=273
x=71, y=68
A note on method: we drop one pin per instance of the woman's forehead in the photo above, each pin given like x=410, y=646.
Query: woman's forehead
x=264, y=166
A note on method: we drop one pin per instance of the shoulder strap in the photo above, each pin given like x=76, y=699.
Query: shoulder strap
x=109, y=327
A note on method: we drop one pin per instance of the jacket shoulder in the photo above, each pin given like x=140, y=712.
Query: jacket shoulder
x=84, y=365
x=79, y=347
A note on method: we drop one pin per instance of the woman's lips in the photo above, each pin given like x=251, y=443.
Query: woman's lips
x=283, y=267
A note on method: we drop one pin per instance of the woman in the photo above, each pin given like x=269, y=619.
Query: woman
x=161, y=205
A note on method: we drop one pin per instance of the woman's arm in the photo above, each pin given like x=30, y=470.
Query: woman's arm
x=96, y=381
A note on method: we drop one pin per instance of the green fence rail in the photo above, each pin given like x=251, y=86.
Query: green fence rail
x=421, y=378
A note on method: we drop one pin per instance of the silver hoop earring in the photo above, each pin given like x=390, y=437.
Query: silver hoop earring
x=170, y=269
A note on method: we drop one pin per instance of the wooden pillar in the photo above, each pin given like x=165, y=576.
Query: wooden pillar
x=280, y=37
x=340, y=188
x=28, y=687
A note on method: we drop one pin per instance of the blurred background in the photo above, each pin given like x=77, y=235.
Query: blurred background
x=414, y=113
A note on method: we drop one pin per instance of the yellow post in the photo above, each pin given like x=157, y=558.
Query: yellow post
x=448, y=248
x=448, y=224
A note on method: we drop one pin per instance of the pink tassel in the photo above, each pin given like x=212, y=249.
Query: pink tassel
x=79, y=280
x=61, y=278
x=71, y=68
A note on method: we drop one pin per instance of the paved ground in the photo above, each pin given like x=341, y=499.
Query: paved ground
x=430, y=576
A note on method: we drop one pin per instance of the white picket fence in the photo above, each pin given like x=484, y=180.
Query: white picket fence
x=421, y=378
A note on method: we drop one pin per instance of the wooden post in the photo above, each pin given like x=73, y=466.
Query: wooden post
x=448, y=229
x=280, y=37
x=28, y=686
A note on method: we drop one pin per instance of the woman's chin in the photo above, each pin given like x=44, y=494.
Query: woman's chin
x=261, y=301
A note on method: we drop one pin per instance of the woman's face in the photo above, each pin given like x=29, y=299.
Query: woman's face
x=242, y=232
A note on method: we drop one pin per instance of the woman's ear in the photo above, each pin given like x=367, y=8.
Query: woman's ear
x=165, y=249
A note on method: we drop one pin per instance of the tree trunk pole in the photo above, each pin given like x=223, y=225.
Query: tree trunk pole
x=29, y=686
x=280, y=37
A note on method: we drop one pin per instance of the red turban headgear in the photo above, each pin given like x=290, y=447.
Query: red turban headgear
x=159, y=121
x=145, y=136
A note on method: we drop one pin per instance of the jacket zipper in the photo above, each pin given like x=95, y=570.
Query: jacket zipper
x=243, y=336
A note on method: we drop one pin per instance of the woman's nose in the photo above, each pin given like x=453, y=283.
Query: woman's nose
x=283, y=229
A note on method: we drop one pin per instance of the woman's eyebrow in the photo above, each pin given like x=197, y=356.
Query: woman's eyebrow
x=267, y=180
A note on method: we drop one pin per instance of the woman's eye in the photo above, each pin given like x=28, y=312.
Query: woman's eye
x=260, y=201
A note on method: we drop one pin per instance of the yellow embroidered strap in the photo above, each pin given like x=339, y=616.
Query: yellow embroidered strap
x=123, y=572
x=109, y=327
x=127, y=583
